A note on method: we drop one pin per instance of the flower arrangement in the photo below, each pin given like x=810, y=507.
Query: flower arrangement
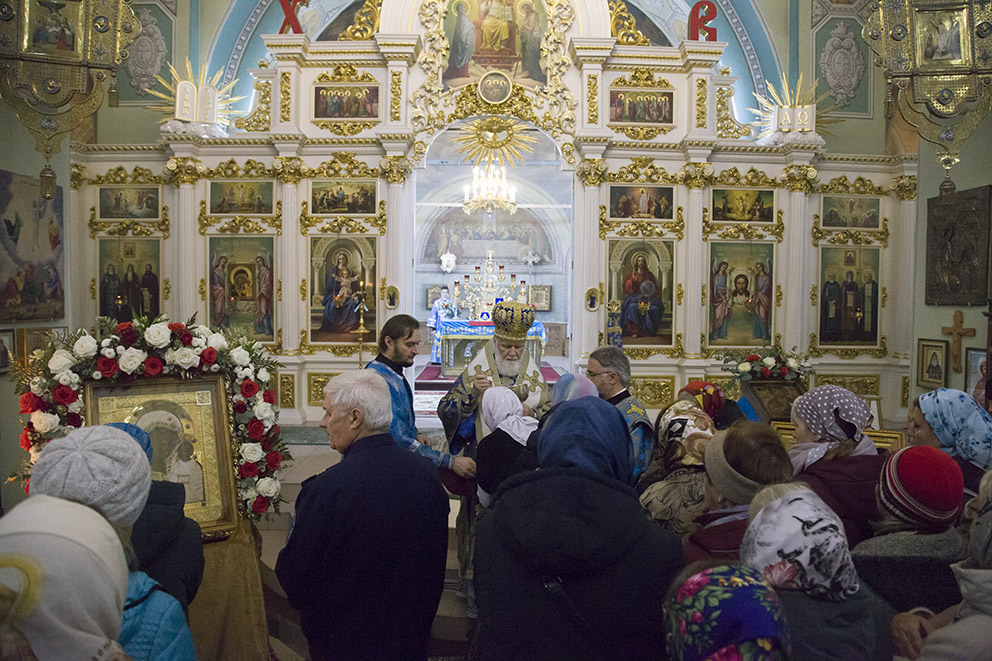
x=771, y=363
x=52, y=394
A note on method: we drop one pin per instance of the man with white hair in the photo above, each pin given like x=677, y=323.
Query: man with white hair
x=364, y=562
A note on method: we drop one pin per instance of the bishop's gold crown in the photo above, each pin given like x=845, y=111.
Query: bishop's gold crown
x=512, y=320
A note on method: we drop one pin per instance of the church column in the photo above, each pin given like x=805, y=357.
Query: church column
x=693, y=258
x=184, y=254
x=795, y=273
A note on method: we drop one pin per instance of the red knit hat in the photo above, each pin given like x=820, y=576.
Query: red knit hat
x=923, y=487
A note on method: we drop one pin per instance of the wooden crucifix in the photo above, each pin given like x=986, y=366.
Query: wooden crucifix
x=957, y=331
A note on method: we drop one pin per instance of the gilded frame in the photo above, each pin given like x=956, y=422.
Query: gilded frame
x=327, y=329
x=325, y=202
x=114, y=202
x=539, y=296
x=660, y=208
x=931, y=358
x=974, y=383
x=885, y=439
x=264, y=204
x=622, y=257
x=189, y=416
x=832, y=336
x=323, y=112
x=839, y=220
x=723, y=214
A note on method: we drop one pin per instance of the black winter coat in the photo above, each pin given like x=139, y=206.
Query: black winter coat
x=589, y=532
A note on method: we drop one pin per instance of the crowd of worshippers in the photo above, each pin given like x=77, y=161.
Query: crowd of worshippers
x=720, y=543
x=100, y=561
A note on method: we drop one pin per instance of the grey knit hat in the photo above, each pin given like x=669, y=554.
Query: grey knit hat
x=102, y=467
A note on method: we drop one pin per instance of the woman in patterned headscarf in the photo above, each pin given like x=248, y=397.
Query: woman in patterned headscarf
x=951, y=421
x=798, y=545
x=725, y=612
x=833, y=456
x=677, y=499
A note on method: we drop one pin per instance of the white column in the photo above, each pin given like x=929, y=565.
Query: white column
x=693, y=262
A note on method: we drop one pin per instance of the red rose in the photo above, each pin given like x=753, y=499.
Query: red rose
x=121, y=327
x=176, y=327
x=261, y=505
x=129, y=336
x=208, y=356
x=25, y=441
x=153, y=366
x=30, y=402
x=784, y=371
x=256, y=428
x=186, y=338
x=765, y=372
x=273, y=460
x=752, y=357
x=249, y=469
x=269, y=396
x=249, y=388
x=64, y=395
x=273, y=431
x=240, y=407
x=267, y=444
x=73, y=419
x=107, y=367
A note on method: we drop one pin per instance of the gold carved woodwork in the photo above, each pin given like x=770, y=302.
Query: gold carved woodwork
x=674, y=351
x=860, y=186
x=696, y=175
x=727, y=125
x=862, y=384
x=846, y=353
x=812, y=296
x=128, y=226
x=285, y=96
x=342, y=165
x=287, y=391
x=748, y=231
x=203, y=289
x=365, y=24
x=93, y=288
x=315, y=386
x=800, y=178
x=679, y=294
x=624, y=27
x=641, y=227
x=289, y=170
x=904, y=187
x=260, y=118
x=592, y=98
x=119, y=175
x=183, y=170
x=303, y=289
x=642, y=170
x=395, y=95
x=238, y=224
x=654, y=392
x=703, y=296
x=904, y=392
x=592, y=171
x=230, y=169
x=395, y=169
x=752, y=177
x=701, y=103
x=279, y=291
x=778, y=295
x=77, y=175
x=854, y=237
x=344, y=127
x=348, y=224
x=166, y=289
x=883, y=297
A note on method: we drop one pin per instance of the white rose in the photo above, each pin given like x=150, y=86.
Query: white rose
x=44, y=422
x=37, y=385
x=65, y=378
x=217, y=341
x=186, y=358
x=268, y=487
x=108, y=353
x=263, y=411
x=263, y=374
x=120, y=349
x=744, y=367
x=792, y=363
x=76, y=406
x=252, y=452
x=249, y=495
x=768, y=362
x=85, y=346
x=202, y=331
x=158, y=335
x=60, y=361
x=215, y=367
x=96, y=375
x=132, y=359
x=246, y=373
x=240, y=356
x=107, y=341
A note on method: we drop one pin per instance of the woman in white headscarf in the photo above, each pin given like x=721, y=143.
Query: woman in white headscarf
x=497, y=453
x=798, y=545
x=835, y=458
x=63, y=579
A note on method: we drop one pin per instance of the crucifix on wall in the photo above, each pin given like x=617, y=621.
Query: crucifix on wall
x=957, y=331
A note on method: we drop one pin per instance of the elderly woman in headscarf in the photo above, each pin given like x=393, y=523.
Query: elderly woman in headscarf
x=725, y=612
x=962, y=632
x=797, y=543
x=714, y=403
x=834, y=457
x=907, y=561
x=498, y=452
x=677, y=499
x=952, y=421
x=566, y=564
x=567, y=388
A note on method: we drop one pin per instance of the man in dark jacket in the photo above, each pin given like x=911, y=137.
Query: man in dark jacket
x=365, y=557
x=566, y=564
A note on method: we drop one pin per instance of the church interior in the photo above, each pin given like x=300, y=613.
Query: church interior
x=297, y=172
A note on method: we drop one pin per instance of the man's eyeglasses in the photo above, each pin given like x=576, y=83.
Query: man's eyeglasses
x=592, y=375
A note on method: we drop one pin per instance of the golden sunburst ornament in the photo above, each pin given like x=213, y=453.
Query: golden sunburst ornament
x=194, y=98
x=772, y=119
x=498, y=140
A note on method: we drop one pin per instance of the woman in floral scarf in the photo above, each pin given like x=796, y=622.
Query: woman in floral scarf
x=724, y=613
x=952, y=421
x=798, y=545
x=833, y=456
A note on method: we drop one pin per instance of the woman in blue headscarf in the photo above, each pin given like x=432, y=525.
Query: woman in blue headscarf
x=566, y=563
x=952, y=421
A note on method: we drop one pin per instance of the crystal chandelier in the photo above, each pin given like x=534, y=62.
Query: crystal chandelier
x=489, y=190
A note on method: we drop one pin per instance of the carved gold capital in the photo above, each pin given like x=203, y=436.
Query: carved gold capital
x=799, y=178
x=183, y=170
x=290, y=170
x=592, y=171
x=696, y=175
x=395, y=169
x=77, y=175
x=905, y=187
